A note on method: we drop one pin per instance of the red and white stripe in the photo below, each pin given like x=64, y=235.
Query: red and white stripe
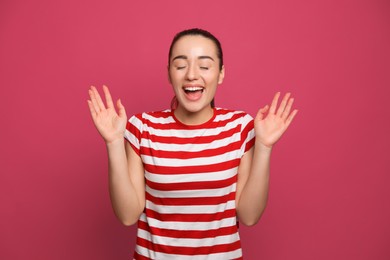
x=191, y=180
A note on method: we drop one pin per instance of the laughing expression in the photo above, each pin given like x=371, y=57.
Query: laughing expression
x=194, y=75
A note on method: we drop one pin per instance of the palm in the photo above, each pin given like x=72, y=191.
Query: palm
x=110, y=124
x=269, y=127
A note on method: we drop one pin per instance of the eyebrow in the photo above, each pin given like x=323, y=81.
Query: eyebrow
x=199, y=58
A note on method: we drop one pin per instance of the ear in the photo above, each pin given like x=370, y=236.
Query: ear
x=169, y=76
x=221, y=75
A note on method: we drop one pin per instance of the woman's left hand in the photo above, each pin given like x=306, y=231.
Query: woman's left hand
x=272, y=122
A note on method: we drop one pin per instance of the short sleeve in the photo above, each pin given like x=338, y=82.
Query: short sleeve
x=133, y=132
x=247, y=133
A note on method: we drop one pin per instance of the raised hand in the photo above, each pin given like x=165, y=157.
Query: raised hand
x=272, y=122
x=110, y=124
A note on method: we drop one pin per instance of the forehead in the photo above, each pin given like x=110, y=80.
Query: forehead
x=194, y=45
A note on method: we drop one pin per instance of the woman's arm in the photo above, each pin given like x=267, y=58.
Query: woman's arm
x=126, y=181
x=253, y=172
x=252, y=187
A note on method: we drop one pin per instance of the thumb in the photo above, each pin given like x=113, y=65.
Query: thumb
x=262, y=111
x=121, y=109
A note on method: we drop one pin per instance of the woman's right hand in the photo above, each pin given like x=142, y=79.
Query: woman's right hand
x=110, y=124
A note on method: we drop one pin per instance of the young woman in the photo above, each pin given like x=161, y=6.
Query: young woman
x=188, y=174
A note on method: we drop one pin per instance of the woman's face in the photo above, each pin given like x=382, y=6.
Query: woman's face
x=194, y=74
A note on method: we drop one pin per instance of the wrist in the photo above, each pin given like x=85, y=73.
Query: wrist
x=262, y=147
x=115, y=142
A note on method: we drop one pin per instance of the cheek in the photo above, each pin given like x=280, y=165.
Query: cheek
x=175, y=80
x=172, y=76
x=212, y=77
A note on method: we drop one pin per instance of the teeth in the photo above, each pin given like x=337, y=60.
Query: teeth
x=193, y=88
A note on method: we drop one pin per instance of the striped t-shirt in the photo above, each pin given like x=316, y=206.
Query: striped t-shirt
x=191, y=181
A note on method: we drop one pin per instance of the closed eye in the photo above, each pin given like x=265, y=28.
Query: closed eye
x=204, y=68
x=180, y=67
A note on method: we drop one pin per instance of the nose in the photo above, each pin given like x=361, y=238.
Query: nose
x=192, y=73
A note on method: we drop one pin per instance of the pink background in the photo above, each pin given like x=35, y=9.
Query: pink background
x=329, y=197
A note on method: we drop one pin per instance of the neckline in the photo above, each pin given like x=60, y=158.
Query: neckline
x=194, y=126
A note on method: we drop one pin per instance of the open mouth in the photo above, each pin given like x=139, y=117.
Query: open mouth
x=193, y=89
x=193, y=93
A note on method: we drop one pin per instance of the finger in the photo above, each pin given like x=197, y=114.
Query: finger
x=265, y=109
x=121, y=109
x=93, y=101
x=274, y=103
x=108, y=97
x=261, y=112
x=283, y=104
x=291, y=117
x=286, y=112
x=98, y=99
x=91, y=109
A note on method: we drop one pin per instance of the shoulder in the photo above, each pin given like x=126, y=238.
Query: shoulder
x=152, y=119
x=224, y=113
x=235, y=118
x=153, y=115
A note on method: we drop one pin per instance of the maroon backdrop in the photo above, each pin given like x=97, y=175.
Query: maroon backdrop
x=330, y=172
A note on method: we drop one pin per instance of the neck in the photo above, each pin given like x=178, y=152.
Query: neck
x=194, y=118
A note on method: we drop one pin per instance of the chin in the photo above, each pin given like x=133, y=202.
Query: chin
x=194, y=108
x=191, y=109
